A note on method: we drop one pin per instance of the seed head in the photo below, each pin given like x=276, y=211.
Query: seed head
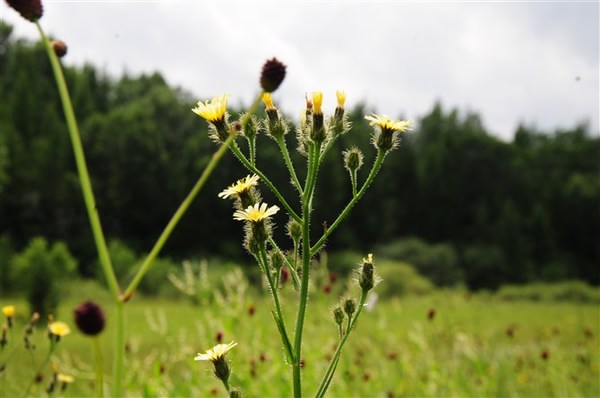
x=31, y=10
x=59, y=47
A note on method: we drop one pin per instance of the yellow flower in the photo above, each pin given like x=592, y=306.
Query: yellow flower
x=65, y=378
x=216, y=353
x=268, y=100
x=341, y=98
x=369, y=259
x=255, y=213
x=213, y=111
x=385, y=123
x=59, y=329
x=317, y=99
x=241, y=186
x=8, y=311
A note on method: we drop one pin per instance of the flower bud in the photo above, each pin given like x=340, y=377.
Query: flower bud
x=353, y=159
x=31, y=10
x=273, y=73
x=89, y=318
x=276, y=259
x=251, y=128
x=366, y=280
x=294, y=230
x=59, y=47
x=338, y=315
x=222, y=370
x=235, y=393
x=349, y=307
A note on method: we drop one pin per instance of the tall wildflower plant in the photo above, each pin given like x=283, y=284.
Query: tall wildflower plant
x=315, y=135
x=214, y=111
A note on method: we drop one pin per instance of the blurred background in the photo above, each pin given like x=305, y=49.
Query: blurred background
x=498, y=183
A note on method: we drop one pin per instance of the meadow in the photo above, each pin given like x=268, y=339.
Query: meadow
x=446, y=343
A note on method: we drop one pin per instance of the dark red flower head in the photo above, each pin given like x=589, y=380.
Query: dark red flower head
x=273, y=73
x=31, y=10
x=89, y=318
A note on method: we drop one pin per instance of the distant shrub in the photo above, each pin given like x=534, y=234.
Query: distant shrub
x=437, y=262
x=400, y=279
x=484, y=265
x=40, y=270
x=574, y=291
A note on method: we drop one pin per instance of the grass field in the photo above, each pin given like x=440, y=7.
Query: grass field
x=472, y=346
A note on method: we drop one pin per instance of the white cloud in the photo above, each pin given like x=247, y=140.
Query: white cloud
x=509, y=62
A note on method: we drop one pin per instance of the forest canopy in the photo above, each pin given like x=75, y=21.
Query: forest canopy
x=511, y=212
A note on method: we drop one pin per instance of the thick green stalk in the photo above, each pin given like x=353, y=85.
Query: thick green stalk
x=84, y=178
x=119, y=350
x=177, y=216
x=328, y=376
x=376, y=166
x=238, y=153
x=313, y=160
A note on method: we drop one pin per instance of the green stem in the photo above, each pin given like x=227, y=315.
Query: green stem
x=313, y=160
x=291, y=266
x=84, y=179
x=288, y=162
x=119, y=350
x=98, y=362
x=252, y=151
x=238, y=153
x=328, y=376
x=262, y=259
x=176, y=217
x=353, y=182
x=376, y=166
x=42, y=366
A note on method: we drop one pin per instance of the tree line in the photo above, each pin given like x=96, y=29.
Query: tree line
x=514, y=211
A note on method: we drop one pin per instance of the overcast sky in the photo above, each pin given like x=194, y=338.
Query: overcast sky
x=531, y=62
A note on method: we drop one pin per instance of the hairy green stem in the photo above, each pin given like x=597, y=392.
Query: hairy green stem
x=119, y=350
x=84, y=178
x=262, y=259
x=177, y=216
x=288, y=162
x=291, y=266
x=238, y=153
x=376, y=166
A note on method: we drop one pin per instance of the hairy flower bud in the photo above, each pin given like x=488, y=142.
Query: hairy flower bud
x=273, y=73
x=294, y=230
x=349, y=307
x=353, y=159
x=31, y=10
x=338, y=315
x=276, y=259
x=89, y=318
x=366, y=280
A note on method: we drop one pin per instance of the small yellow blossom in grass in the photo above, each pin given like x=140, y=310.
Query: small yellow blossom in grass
x=241, y=186
x=317, y=99
x=59, y=329
x=385, y=123
x=268, y=100
x=256, y=213
x=341, y=98
x=213, y=110
x=63, y=378
x=8, y=311
x=216, y=353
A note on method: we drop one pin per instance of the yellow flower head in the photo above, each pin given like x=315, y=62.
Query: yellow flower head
x=268, y=100
x=213, y=110
x=255, y=213
x=59, y=329
x=341, y=98
x=317, y=99
x=241, y=186
x=216, y=353
x=67, y=379
x=8, y=311
x=385, y=123
x=369, y=259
